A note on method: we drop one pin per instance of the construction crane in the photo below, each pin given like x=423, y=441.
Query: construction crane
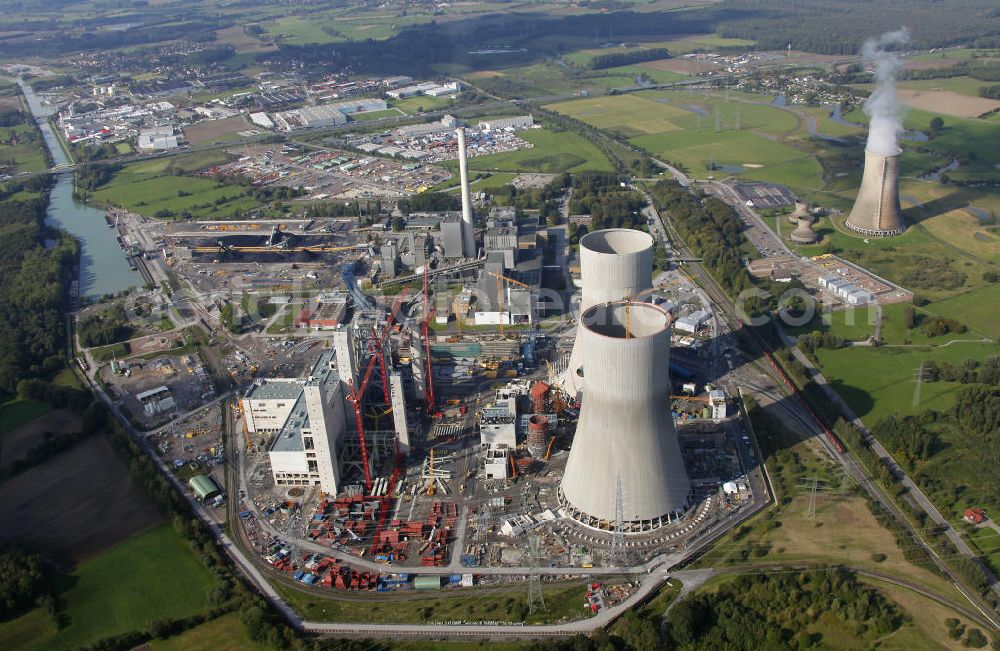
x=430, y=484
x=500, y=278
x=424, y=334
x=315, y=248
x=690, y=398
x=628, y=305
x=354, y=398
x=548, y=451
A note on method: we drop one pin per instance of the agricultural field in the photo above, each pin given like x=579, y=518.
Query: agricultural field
x=161, y=187
x=103, y=512
x=225, y=633
x=18, y=152
x=152, y=575
x=552, y=153
x=17, y=412
x=209, y=131
x=987, y=542
x=877, y=382
x=961, y=85
x=16, y=443
x=419, y=104
x=626, y=115
x=709, y=134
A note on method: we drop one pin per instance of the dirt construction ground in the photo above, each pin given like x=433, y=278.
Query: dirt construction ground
x=78, y=503
x=212, y=129
x=15, y=444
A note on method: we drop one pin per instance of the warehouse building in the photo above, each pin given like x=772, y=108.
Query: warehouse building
x=204, y=487
x=309, y=117
x=516, y=122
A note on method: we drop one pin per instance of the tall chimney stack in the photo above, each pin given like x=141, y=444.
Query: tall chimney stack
x=468, y=234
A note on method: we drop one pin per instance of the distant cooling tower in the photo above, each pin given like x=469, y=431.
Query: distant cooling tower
x=615, y=264
x=804, y=233
x=876, y=211
x=625, y=430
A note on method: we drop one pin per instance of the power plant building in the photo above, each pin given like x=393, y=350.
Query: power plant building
x=625, y=435
x=876, y=211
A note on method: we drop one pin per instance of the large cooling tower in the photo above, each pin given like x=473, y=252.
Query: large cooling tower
x=625, y=429
x=876, y=211
x=615, y=264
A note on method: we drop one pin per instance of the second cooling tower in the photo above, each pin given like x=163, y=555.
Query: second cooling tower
x=615, y=264
x=625, y=431
x=876, y=211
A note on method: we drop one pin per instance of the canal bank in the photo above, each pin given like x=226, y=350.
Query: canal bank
x=104, y=267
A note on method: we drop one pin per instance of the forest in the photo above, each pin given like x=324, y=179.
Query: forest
x=609, y=204
x=33, y=281
x=781, y=611
x=614, y=60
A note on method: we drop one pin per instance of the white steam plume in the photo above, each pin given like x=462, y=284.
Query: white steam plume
x=882, y=106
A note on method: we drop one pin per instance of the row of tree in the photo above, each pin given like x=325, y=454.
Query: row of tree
x=613, y=60
x=33, y=280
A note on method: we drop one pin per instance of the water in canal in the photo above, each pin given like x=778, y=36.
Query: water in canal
x=104, y=268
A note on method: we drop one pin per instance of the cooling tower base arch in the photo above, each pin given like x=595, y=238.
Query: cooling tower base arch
x=870, y=232
x=628, y=527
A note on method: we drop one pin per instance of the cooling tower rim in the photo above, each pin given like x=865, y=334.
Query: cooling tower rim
x=875, y=154
x=640, y=241
x=668, y=319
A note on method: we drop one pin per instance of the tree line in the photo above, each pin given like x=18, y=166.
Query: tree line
x=33, y=280
x=602, y=61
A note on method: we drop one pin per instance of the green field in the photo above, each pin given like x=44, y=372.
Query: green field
x=754, y=139
x=419, y=104
x=552, y=153
x=962, y=85
x=17, y=412
x=225, y=633
x=367, y=116
x=28, y=631
x=26, y=157
x=976, y=309
x=959, y=54
x=150, y=187
x=564, y=599
x=987, y=543
x=877, y=382
x=153, y=575
x=627, y=115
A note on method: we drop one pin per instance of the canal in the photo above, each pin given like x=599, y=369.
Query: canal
x=104, y=268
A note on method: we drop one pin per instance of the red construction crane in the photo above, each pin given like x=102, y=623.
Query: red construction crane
x=354, y=397
x=356, y=393
x=428, y=368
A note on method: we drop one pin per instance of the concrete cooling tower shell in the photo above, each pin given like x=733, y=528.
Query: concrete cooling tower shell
x=804, y=233
x=876, y=211
x=625, y=429
x=615, y=264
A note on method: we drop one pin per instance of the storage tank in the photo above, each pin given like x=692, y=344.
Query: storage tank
x=538, y=435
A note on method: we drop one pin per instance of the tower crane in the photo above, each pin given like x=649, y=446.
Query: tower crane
x=424, y=327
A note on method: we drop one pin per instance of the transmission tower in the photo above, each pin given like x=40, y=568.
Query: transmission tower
x=812, y=499
x=618, y=537
x=718, y=120
x=737, y=117
x=536, y=600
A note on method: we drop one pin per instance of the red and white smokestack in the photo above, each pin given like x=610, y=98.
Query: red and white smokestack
x=468, y=234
